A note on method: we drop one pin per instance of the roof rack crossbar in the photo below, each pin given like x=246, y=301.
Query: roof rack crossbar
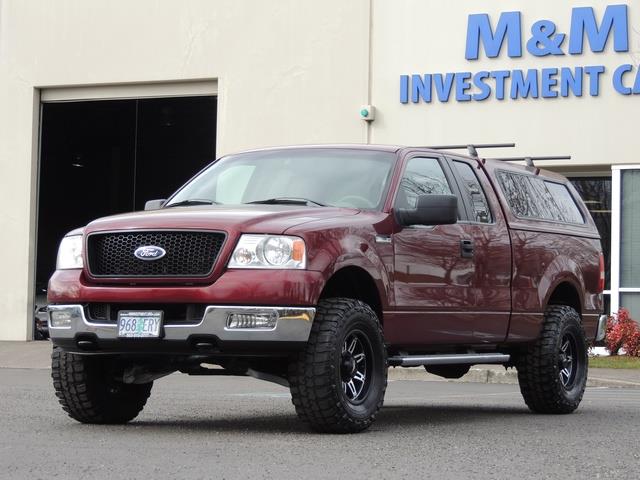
x=472, y=147
x=529, y=159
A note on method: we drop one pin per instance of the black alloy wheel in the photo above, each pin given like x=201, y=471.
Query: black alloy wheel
x=568, y=350
x=357, y=358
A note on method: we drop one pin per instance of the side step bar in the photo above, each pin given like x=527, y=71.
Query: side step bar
x=448, y=359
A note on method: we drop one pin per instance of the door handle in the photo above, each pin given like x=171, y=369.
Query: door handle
x=466, y=248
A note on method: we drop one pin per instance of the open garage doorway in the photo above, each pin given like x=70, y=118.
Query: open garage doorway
x=104, y=157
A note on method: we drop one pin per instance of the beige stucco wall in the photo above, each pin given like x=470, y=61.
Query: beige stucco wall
x=430, y=36
x=287, y=71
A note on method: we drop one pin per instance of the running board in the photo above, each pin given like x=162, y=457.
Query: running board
x=448, y=359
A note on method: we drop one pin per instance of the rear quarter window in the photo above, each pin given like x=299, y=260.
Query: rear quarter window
x=475, y=194
x=534, y=198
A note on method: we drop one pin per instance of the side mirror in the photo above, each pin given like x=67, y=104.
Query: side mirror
x=430, y=210
x=155, y=204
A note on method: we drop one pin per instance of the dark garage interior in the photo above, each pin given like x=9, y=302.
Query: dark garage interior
x=105, y=157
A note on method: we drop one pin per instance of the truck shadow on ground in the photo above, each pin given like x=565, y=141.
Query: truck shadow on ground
x=390, y=418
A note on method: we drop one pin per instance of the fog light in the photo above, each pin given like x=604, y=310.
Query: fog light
x=259, y=320
x=61, y=318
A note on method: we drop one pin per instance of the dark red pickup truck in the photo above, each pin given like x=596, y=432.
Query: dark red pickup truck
x=320, y=267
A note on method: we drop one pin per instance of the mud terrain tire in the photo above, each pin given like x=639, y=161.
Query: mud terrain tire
x=87, y=390
x=553, y=372
x=338, y=382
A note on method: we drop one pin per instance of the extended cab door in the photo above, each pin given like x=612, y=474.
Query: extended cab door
x=486, y=228
x=432, y=280
x=447, y=289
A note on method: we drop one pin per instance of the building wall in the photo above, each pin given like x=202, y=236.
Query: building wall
x=418, y=37
x=287, y=71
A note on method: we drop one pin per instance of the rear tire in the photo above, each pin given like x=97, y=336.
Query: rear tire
x=338, y=381
x=553, y=372
x=88, y=391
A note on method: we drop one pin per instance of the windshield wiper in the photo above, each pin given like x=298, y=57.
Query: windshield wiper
x=192, y=201
x=289, y=201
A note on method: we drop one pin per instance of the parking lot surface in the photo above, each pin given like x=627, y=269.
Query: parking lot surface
x=200, y=427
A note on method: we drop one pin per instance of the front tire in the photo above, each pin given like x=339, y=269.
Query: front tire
x=338, y=381
x=553, y=372
x=88, y=391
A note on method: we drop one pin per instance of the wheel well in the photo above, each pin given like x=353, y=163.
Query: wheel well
x=354, y=282
x=566, y=294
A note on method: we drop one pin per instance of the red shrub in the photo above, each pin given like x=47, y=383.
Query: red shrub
x=623, y=332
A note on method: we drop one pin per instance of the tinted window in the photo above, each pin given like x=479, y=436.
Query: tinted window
x=565, y=202
x=471, y=185
x=423, y=176
x=533, y=197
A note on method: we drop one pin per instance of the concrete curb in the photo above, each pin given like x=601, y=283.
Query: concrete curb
x=475, y=375
x=497, y=375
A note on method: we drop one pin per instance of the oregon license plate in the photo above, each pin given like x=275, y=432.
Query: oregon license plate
x=139, y=324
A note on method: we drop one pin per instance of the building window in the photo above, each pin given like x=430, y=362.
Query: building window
x=630, y=229
x=625, y=227
x=596, y=193
x=630, y=242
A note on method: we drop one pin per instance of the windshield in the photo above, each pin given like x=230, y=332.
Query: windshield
x=319, y=177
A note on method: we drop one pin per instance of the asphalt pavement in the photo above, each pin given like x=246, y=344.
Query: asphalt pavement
x=38, y=355
x=236, y=428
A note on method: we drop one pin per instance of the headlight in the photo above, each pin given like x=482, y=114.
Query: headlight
x=70, y=253
x=269, y=251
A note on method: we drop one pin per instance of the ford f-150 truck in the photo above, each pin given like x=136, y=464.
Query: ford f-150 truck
x=319, y=267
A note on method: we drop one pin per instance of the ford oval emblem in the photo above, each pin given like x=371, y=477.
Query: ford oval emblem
x=149, y=252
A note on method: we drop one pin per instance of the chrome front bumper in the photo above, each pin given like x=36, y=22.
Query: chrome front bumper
x=293, y=325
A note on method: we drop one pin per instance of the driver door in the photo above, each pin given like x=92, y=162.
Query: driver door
x=432, y=275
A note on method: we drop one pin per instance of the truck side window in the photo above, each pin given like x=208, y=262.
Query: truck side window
x=422, y=176
x=565, y=202
x=532, y=197
x=471, y=184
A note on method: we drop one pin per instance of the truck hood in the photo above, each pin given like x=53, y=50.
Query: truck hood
x=230, y=218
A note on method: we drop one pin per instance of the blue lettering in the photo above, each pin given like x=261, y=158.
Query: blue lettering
x=617, y=79
x=522, y=86
x=549, y=81
x=544, y=40
x=420, y=88
x=443, y=85
x=479, y=31
x=500, y=76
x=404, y=88
x=583, y=20
x=569, y=80
x=485, y=90
x=462, y=85
x=636, y=85
x=594, y=72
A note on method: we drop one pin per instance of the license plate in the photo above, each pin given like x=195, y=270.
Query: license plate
x=138, y=324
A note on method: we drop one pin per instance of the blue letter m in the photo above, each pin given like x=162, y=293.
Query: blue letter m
x=583, y=20
x=479, y=31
